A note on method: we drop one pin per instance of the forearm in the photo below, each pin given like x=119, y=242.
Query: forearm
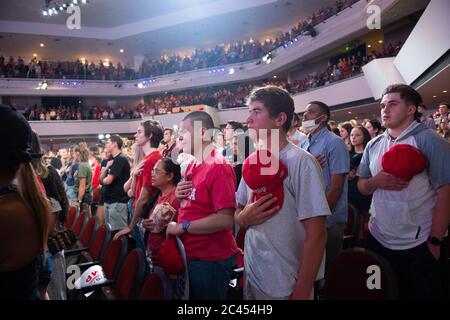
x=238, y=219
x=441, y=213
x=333, y=197
x=367, y=186
x=102, y=176
x=127, y=185
x=81, y=191
x=213, y=223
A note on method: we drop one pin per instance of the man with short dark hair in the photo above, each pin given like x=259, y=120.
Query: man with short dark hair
x=285, y=239
x=409, y=215
x=332, y=153
x=113, y=177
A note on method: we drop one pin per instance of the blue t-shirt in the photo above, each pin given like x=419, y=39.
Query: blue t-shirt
x=337, y=162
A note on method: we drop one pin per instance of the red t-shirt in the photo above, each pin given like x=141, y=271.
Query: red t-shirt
x=155, y=240
x=144, y=179
x=214, y=186
x=96, y=169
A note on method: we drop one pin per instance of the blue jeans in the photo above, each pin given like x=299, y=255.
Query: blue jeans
x=135, y=233
x=209, y=280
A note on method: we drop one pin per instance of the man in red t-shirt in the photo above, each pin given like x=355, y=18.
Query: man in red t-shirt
x=205, y=218
x=148, y=136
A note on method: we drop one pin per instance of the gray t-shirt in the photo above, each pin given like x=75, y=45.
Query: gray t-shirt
x=273, y=249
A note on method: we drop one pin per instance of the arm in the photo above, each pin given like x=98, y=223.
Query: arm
x=108, y=180
x=336, y=189
x=382, y=180
x=81, y=189
x=441, y=217
x=312, y=255
x=216, y=222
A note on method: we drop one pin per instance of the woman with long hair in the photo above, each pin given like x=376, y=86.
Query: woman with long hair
x=359, y=138
x=52, y=279
x=344, y=130
x=24, y=210
x=374, y=127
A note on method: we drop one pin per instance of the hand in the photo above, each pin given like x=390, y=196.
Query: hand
x=384, y=180
x=183, y=189
x=148, y=224
x=125, y=231
x=109, y=164
x=174, y=229
x=322, y=160
x=138, y=169
x=352, y=174
x=435, y=250
x=256, y=212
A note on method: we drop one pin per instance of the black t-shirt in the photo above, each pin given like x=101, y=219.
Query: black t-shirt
x=120, y=169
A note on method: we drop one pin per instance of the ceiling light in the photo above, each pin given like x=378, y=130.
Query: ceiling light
x=369, y=46
x=274, y=77
x=231, y=71
x=42, y=45
x=34, y=55
x=107, y=136
x=44, y=12
x=445, y=91
x=121, y=50
x=349, y=112
x=434, y=96
x=381, y=41
x=83, y=1
x=101, y=136
x=75, y=1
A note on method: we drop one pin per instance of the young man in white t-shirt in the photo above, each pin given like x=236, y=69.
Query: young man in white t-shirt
x=284, y=246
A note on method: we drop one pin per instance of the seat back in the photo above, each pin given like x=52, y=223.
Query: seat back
x=152, y=288
x=71, y=215
x=360, y=274
x=79, y=224
x=131, y=276
x=100, y=242
x=88, y=231
x=114, y=256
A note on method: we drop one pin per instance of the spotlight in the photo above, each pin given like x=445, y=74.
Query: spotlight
x=44, y=12
x=140, y=85
x=107, y=136
x=101, y=136
x=231, y=71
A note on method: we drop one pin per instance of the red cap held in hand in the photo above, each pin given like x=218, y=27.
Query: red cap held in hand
x=404, y=161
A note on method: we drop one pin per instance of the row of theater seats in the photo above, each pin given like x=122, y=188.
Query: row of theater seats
x=124, y=269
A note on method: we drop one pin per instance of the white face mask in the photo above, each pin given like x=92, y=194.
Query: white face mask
x=310, y=125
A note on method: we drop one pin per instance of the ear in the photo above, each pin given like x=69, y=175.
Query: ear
x=412, y=110
x=281, y=119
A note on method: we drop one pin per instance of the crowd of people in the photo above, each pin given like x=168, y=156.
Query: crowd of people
x=164, y=184
x=222, y=98
x=220, y=55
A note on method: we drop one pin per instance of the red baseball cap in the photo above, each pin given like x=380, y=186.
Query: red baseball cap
x=404, y=161
x=169, y=257
x=264, y=173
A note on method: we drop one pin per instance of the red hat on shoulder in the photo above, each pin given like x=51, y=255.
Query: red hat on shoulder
x=404, y=161
x=264, y=173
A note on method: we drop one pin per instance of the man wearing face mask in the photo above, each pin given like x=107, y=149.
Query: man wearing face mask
x=332, y=154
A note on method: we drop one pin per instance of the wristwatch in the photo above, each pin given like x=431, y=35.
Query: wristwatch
x=185, y=225
x=435, y=241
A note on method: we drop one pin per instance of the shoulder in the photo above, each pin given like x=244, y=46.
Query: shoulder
x=13, y=211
